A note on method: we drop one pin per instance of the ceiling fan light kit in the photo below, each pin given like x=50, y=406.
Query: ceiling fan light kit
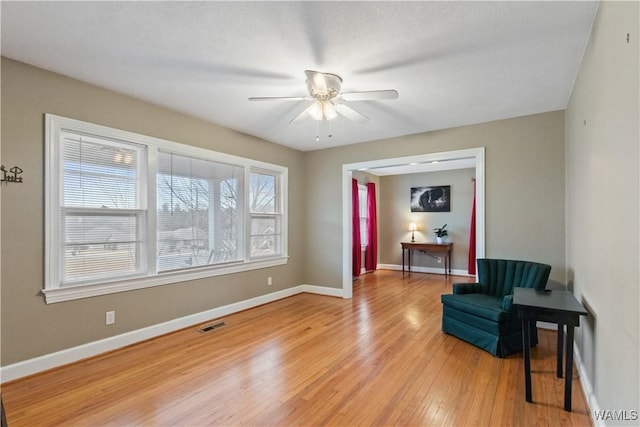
x=322, y=110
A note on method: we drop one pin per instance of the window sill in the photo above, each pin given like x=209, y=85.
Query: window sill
x=78, y=292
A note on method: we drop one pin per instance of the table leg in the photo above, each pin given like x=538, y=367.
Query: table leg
x=526, y=343
x=560, y=349
x=403, y=250
x=446, y=262
x=568, y=369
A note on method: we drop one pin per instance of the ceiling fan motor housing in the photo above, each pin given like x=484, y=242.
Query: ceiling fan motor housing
x=323, y=86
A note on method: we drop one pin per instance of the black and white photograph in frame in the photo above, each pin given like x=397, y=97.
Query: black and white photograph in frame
x=431, y=199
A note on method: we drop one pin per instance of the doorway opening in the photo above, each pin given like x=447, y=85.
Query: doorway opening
x=472, y=156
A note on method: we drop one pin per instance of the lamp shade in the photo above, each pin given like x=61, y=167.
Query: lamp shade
x=412, y=226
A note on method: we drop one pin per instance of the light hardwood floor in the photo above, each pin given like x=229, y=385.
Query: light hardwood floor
x=377, y=359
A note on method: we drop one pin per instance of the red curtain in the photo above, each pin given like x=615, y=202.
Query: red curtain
x=355, y=220
x=371, y=255
x=472, y=234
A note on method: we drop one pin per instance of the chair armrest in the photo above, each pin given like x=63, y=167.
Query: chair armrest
x=467, y=288
x=507, y=302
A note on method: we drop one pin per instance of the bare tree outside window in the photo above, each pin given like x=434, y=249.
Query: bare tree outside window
x=198, y=212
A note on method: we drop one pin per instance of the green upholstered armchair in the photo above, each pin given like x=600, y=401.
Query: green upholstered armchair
x=481, y=313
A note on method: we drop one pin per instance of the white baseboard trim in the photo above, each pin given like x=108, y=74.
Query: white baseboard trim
x=547, y=325
x=432, y=270
x=322, y=290
x=592, y=402
x=84, y=351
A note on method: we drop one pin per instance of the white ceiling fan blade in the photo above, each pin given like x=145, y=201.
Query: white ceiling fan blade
x=350, y=113
x=300, y=117
x=279, y=98
x=370, y=95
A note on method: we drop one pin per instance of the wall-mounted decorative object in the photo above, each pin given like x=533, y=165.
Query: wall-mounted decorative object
x=11, y=175
x=431, y=199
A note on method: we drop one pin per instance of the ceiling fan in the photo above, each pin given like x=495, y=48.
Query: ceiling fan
x=328, y=101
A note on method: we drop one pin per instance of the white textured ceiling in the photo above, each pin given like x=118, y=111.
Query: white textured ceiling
x=453, y=63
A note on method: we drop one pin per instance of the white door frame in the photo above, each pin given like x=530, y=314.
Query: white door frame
x=347, y=169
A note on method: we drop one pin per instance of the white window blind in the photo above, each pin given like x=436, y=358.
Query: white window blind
x=266, y=214
x=101, y=212
x=199, y=214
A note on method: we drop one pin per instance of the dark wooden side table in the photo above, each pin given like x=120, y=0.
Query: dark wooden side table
x=444, y=248
x=559, y=307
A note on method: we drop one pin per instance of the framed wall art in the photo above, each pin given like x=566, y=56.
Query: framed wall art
x=431, y=199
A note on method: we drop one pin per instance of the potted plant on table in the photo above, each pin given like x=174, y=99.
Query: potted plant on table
x=441, y=233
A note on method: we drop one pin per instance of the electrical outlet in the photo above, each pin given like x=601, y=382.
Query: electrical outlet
x=269, y=281
x=110, y=317
x=439, y=260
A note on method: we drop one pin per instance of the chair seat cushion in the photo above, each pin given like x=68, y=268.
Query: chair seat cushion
x=486, y=306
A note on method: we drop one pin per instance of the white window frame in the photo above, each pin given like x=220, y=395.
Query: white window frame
x=139, y=212
x=277, y=215
x=54, y=291
x=362, y=206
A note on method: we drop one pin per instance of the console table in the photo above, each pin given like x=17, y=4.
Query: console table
x=559, y=307
x=444, y=248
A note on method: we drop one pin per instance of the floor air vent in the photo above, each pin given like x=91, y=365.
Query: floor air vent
x=210, y=328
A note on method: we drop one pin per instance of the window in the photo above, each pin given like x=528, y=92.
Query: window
x=102, y=220
x=126, y=211
x=362, y=205
x=266, y=218
x=198, y=215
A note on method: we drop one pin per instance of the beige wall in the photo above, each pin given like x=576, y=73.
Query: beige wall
x=524, y=189
x=603, y=218
x=32, y=328
x=395, y=216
